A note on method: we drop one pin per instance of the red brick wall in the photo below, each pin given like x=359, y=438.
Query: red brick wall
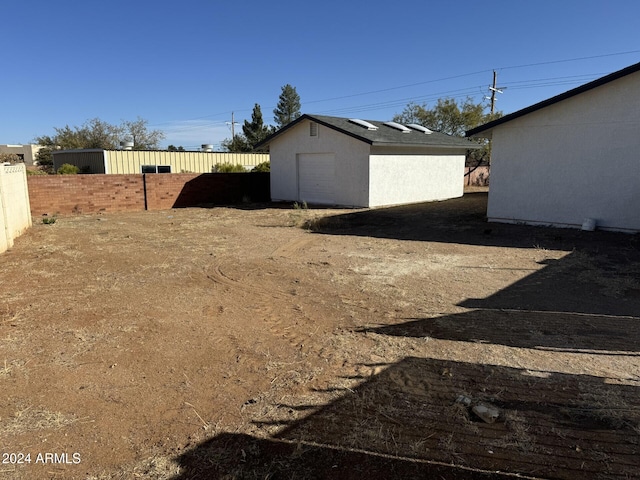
x=69, y=194
x=187, y=189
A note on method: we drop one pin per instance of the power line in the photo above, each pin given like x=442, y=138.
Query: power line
x=569, y=60
x=453, y=77
x=394, y=103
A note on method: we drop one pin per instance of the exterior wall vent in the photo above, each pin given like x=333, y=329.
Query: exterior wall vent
x=398, y=126
x=363, y=123
x=313, y=129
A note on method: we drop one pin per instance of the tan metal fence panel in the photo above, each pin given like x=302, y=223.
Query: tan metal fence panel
x=131, y=161
x=15, y=213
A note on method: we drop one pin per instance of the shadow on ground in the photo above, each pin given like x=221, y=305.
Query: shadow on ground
x=406, y=422
x=415, y=418
x=588, y=301
x=459, y=220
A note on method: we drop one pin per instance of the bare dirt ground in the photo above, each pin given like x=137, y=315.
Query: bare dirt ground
x=273, y=342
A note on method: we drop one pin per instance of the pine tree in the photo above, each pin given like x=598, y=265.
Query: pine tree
x=255, y=131
x=288, y=108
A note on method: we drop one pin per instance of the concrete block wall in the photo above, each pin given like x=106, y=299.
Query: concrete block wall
x=15, y=217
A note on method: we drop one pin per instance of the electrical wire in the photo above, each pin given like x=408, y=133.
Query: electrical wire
x=401, y=102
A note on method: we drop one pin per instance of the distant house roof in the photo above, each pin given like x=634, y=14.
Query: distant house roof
x=553, y=100
x=380, y=133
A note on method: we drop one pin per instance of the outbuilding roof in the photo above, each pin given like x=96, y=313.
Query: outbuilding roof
x=558, y=98
x=380, y=133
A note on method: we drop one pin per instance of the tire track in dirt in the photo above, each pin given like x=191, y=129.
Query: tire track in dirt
x=281, y=328
x=267, y=304
x=216, y=274
x=290, y=248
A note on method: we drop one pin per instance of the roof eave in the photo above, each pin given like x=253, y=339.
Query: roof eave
x=75, y=150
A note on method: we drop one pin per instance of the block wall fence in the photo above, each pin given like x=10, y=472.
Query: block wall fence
x=14, y=204
x=476, y=176
x=77, y=194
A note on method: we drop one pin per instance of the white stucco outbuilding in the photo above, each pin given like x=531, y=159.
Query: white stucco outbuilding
x=339, y=161
x=572, y=160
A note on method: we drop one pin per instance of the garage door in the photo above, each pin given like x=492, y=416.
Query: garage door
x=316, y=178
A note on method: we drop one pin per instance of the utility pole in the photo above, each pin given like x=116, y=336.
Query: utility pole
x=495, y=89
x=233, y=130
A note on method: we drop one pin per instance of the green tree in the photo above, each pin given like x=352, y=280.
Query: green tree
x=11, y=158
x=288, y=107
x=236, y=144
x=68, y=169
x=255, y=131
x=173, y=148
x=447, y=116
x=228, y=167
x=138, y=133
x=96, y=133
x=453, y=118
x=262, y=167
x=44, y=158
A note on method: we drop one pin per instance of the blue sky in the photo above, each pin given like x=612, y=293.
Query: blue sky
x=185, y=66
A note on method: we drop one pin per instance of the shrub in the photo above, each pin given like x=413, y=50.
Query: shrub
x=227, y=168
x=262, y=167
x=68, y=169
x=10, y=158
x=37, y=171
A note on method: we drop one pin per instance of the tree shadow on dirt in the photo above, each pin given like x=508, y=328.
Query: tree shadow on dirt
x=415, y=419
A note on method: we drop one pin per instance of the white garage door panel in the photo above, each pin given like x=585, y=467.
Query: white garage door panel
x=316, y=178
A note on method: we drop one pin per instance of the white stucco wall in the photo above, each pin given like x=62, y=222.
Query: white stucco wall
x=396, y=179
x=351, y=163
x=577, y=159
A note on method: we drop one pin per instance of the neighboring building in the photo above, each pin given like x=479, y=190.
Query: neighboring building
x=152, y=161
x=339, y=161
x=27, y=153
x=571, y=160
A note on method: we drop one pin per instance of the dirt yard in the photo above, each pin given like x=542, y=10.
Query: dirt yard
x=274, y=342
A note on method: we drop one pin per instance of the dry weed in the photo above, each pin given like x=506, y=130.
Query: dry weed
x=607, y=407
x=518, y=435
x=29, y=419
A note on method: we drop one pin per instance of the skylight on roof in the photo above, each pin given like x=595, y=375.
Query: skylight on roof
x=363, y=123
x=398, y=126
x=420, y=128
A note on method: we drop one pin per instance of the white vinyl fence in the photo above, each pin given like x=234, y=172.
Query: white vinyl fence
x=15, y=213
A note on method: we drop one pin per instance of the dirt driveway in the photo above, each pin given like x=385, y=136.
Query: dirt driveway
x=232, y=343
